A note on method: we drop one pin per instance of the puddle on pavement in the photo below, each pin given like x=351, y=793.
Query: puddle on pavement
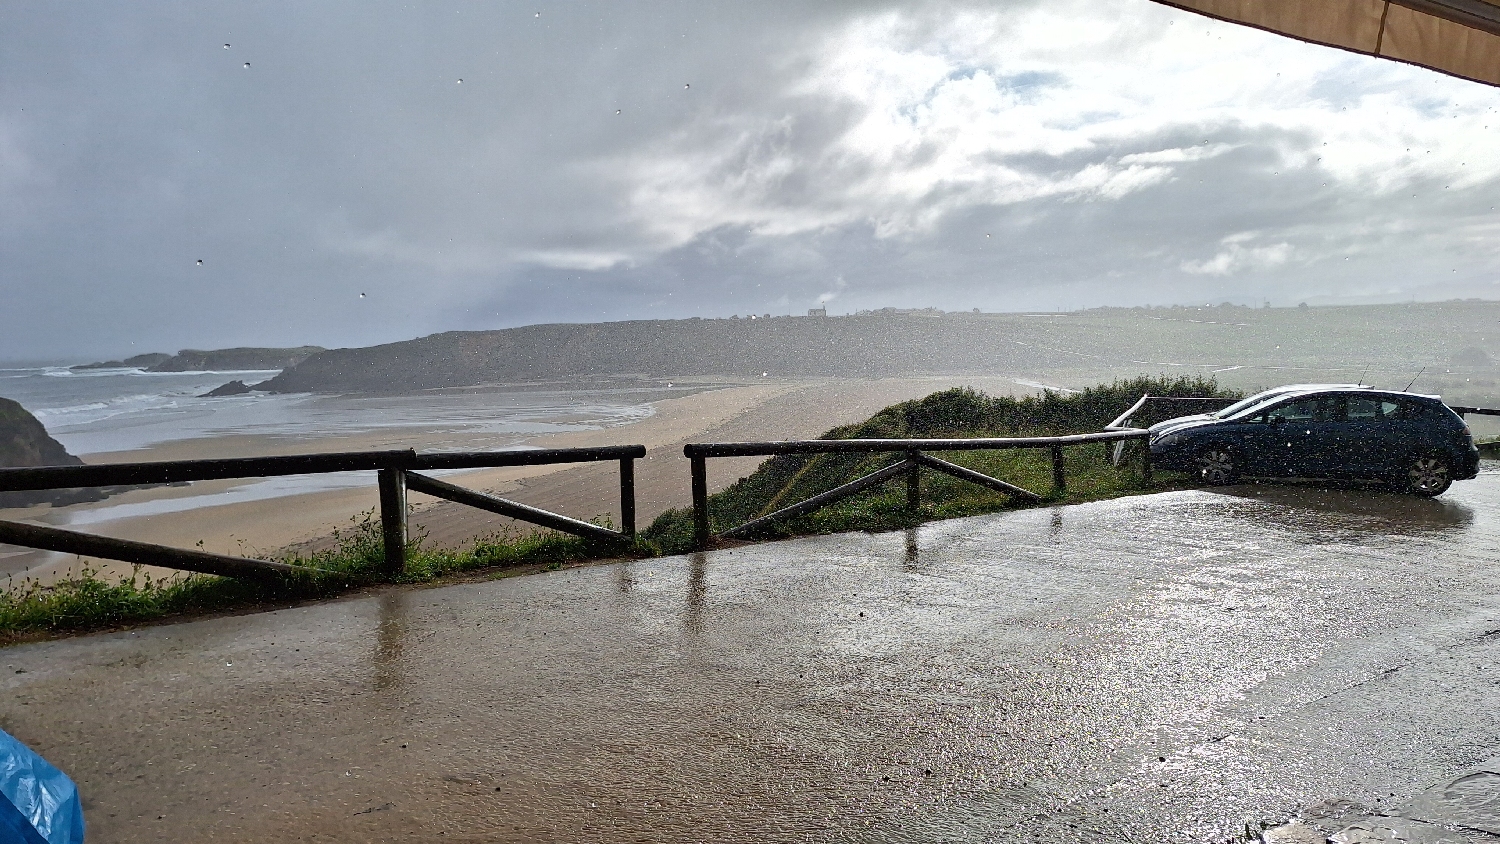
x=1157, y=668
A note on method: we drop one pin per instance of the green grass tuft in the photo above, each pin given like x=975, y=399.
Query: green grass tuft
x=88, y=602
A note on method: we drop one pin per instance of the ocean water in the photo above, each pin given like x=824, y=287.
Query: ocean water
x=111, y=410
x=122, y=410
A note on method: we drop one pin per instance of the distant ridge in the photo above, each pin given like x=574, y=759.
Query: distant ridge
x=859, y=346
x=1373, y=338
x=216, y=360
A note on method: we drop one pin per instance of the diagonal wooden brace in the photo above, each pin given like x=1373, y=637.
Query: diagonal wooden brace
x=823, y=499
x=143, y=553
x=972, y=476
x=513, y=509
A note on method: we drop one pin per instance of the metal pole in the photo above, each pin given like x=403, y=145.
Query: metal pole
x=627, y=496
x=1059, y=477
x=913, y=482
x=700, y=502
x=393, y=518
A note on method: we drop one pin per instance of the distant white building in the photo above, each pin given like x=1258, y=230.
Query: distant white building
x=823, y=312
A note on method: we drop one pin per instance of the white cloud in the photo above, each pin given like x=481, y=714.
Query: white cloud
x=573, y=259
x=904, y=120
x=1237, y=256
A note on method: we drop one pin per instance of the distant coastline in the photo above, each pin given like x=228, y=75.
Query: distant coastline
x=1386, y=343
x=212, y=360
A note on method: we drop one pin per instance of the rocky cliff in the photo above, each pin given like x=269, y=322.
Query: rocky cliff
x=25, y=442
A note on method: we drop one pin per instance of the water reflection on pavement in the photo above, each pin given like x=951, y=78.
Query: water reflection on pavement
x=1161, y=668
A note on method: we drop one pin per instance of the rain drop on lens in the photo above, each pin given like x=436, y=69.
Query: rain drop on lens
x=247, y=65
x=226, y=46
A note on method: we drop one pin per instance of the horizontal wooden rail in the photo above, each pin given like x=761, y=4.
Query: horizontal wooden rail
x=915, y=460
x=877, y=446
x=396, y=470
x=523, y=457
x=177, y=471
x=1478, y=411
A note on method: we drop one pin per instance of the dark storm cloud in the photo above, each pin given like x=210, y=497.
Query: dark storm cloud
x=619, y=161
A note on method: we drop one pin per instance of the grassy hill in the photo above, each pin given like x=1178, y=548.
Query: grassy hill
x=786, y=479
x=1453, y=345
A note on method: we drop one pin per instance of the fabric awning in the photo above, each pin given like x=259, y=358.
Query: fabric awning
x=1458, y=37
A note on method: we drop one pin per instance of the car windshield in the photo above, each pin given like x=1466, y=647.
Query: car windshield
x=1253, y=405
x=1248, y=403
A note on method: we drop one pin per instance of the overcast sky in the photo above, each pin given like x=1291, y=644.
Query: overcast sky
x=359, y=172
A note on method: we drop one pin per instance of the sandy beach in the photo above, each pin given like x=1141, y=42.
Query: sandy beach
x=266, y=527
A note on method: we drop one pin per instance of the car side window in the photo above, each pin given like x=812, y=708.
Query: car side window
x=1411, y=410
x=1316, y=409
x=1364, y=409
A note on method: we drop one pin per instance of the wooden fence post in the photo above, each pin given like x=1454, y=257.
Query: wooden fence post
x=913, y=483
x=700, y=502
x=627, y=496
x=393, y=518
x=1059, y=476
x=1145, y=462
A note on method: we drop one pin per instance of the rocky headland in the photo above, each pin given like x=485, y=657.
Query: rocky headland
x=215, y=360
x=24, y=441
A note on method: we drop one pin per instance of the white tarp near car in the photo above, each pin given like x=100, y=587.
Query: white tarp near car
x=1457, y=37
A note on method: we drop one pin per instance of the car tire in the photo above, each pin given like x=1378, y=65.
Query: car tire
x=1428, y=476
x=1217, y=465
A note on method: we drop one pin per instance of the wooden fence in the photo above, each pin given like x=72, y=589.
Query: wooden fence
x=910, y=467
x=397, y=471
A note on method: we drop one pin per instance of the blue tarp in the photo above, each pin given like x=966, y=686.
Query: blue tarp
x=40, y=804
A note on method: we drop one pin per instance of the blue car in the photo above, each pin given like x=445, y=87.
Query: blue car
x=1411, y=442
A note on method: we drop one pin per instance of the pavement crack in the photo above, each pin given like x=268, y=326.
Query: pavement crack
x=1381, y=676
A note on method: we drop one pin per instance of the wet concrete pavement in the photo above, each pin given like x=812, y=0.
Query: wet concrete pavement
x=1162, y=668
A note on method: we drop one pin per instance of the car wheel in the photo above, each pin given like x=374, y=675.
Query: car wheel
x=1429, y=476
x=1217, y=465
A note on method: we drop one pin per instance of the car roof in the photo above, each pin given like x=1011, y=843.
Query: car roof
x=1308, y=389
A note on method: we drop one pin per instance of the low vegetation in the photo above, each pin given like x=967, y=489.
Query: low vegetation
x=90, y=602
x=787, y=479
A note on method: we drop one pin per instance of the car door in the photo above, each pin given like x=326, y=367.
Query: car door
x=1374, y=440
x=1261, y=442
x=1302, y=439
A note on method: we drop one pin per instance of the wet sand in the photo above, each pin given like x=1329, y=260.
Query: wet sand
x=776, y=410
